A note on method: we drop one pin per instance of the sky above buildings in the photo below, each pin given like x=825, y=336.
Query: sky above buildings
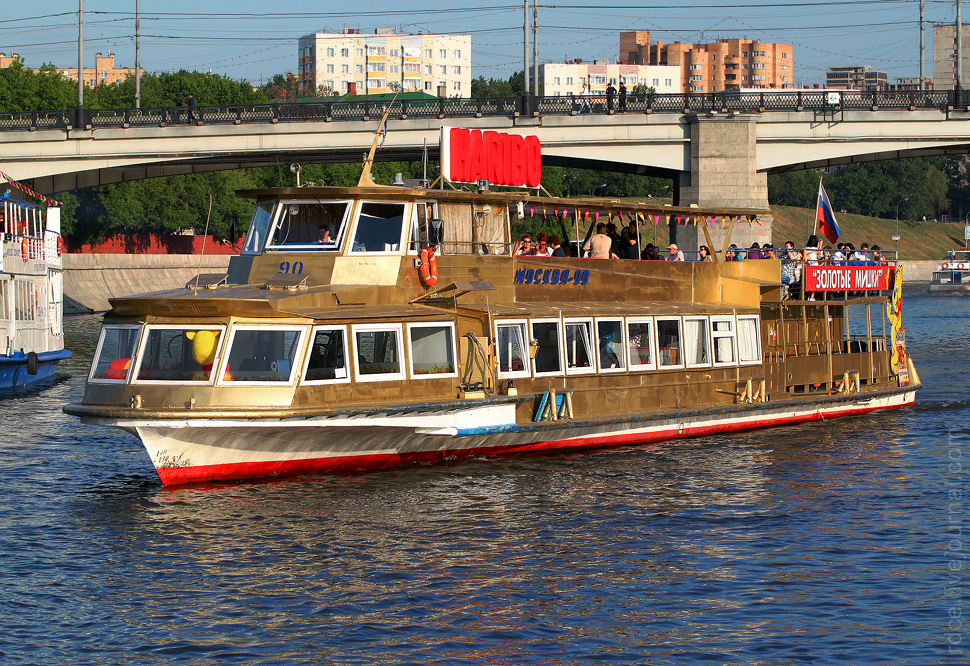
x=253, y=40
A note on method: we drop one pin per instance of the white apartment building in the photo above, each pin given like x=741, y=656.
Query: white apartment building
x=564, y=79
x=385, y=62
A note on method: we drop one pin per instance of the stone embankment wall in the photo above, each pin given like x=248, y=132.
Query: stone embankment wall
x=918, y=271
x=91, y=279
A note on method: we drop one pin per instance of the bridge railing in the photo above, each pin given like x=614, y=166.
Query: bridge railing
x=327, y=110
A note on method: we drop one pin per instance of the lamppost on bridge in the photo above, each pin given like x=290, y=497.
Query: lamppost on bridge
x=896, y=237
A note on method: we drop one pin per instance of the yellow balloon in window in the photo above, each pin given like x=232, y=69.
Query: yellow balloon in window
x=204, y=345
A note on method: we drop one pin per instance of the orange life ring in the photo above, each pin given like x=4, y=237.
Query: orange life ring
x=429, y=267
x=25, y=249
x=60, y=246
x=945, y=266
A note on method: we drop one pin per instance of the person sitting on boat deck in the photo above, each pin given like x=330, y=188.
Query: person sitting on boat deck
x=733, y=253
x=648, y=253
x=542, y=245
x=627, y=246
x=864, y=251
x=599, y=245
x=523, y=247
x=557, y=249
x=754, y=252
x=838, y=257
x=323, y=234
x=768, y=251
x=704, y=254
x=790, y=273
x=878, y=257
x=674, y=253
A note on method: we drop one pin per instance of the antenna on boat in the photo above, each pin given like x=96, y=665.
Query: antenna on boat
x=365, y=178
x=195, y=290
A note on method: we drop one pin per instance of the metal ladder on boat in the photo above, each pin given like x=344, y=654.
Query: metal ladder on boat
x=554, y=405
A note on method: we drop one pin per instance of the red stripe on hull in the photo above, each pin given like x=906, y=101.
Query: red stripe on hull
x=176, y=476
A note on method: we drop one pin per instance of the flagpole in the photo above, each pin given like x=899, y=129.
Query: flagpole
x=818, y=202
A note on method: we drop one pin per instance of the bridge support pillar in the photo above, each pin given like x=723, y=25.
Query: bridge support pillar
x=723, y=173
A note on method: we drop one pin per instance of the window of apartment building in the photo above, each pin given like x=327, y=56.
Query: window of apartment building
x=784, y=78
x=412, y=67
x=427, y=85
x=668, y=82
x=744, y=54
x=597, y=80
x=656, y=82
x=630, y=79
x=345, y=85
x=556, y=81
x=696, y=77
x=344, y=53
x=759, y=65
x=744, y=78
x=394, y=69
x=569, y=80
x=744, y=66
x=359, y=52
x=412, y=51
x=395, y=53
x=329, y=69
x=443, y=83
x=412, y=84
x=428, y=53
x=456, y=53
x=375, y=83
x=359, y=69
x=427, y=69
x=442, y=69
x=456, y=85
x=456, y=69
x=328, y=83
x=759, y=77
x=330, y=53
x=376, y=51
x=345, y=69
x=697, y=88
x=375, y=66
x=784, y=54
x=442, y=53
x=697, y=66
x=760, y=54
x=360, y=85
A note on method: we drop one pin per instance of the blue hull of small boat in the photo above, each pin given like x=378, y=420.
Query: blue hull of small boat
x=14, y=371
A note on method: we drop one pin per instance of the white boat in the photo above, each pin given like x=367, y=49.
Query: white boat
x=952, y=275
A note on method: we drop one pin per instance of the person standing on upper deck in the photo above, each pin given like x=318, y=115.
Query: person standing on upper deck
x=600, y=245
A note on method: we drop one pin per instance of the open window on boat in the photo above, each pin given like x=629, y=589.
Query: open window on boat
x=513, y=352
x=669, y=343
x=548, y=358
x=379, y=353
x=261, y=355
x=181, y=354
x=641, y=344
x=426, y=229
x=610, y=345
x=380, y=227
x=311, y=225
x=580, y=357
x=432, y=350
x=327, y=360
x=697, y=342
x=749, y=339
x=113, y=358
x=724, y=340
x=258, y=228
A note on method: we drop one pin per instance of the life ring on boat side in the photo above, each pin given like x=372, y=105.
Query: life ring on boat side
x=25, y=249
x=60, y=246
x=945, y=265
x=429, y=267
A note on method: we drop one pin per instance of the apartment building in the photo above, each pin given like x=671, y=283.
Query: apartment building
x=104, y=71
x=944, y=55
x=385, y=61
x=564, y=79
x=856, y=77
x=727, y=64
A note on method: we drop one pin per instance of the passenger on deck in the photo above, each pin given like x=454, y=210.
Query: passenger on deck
x=523, y=248
x=790, y=274
x=323, y=234
x=754, y=252
x=674, y=253
x=650, y=253
x=628, y=245
x=599, y=244
x=733, y=254
x=768, y=251
x=557, y=249
x=877, y=256
x=542, y=246
x=704, y=254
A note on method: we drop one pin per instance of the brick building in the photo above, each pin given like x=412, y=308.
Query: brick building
x=104, y=70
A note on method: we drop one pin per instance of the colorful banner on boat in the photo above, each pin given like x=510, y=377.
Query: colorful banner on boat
x=26, y=190
x=470, y=156
x=847, y=278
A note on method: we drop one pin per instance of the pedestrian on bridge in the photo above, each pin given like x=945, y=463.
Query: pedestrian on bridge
x=622, y=96
x=610, y=96
x=191, y=104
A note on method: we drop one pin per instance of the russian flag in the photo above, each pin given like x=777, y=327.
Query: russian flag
x=825, y=216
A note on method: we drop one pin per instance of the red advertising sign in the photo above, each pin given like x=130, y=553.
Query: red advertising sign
x=468, y=156
x=847, y=278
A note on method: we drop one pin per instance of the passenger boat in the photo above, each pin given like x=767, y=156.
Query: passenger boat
x=952, y=275
x=372, y=327
x=31, y=286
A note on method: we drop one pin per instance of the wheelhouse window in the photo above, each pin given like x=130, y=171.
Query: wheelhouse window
x=380, y=227
x=548, y=357
x=640, y=337
x=258, y=228
x=669, y=352
x=378, y=352
x=310, y=225
x=749, y=339
x=261, y=355
x=179, y=354
x=327, y=360
x=609, y=345
x=513, y=353
x=724, y=340
x=116, y=348
x=432, y=348
x=579, y=346
x=697, y=347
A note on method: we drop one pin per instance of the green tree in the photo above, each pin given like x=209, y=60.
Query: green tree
x=22, y=89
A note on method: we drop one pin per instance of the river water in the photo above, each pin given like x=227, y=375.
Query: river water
x=832, y=543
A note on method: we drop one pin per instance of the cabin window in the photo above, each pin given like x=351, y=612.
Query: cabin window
x=749, y=339
x=261, y=355
x=697, y=347
x=723, y=340
x=640, y=343
x=379, y=227
x=579, y=346
x=258, y=228
x=513, y=353
x=116, y=348
x=378, y=352
x=609, y=345
x=310, y=225
x=179, y=354
x=432, y=350
x=548, y=357
x=669, y=348
x=327, y=360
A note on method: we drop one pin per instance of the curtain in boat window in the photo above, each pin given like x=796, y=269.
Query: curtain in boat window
x=749, y=346
x=579, y=345
x=696, y=347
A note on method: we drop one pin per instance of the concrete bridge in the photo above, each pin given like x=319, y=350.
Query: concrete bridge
x=717, y=148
